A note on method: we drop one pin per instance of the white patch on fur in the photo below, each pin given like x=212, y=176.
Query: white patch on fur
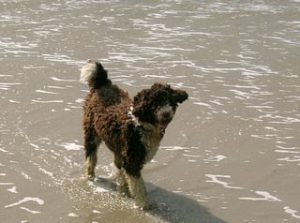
x=87, y=71
x=131, y=115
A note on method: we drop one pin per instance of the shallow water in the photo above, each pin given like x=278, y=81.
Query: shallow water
x=232, y=153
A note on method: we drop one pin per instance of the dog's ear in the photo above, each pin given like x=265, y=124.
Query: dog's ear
x=180, y=95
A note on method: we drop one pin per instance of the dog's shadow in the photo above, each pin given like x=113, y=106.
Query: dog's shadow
x=171, y=207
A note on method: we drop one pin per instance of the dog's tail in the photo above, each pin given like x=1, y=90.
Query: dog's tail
x=93, y=74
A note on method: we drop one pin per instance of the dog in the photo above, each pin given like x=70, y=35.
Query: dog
x=131, y=129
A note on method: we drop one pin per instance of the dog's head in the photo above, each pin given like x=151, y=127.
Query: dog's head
x=158, y=104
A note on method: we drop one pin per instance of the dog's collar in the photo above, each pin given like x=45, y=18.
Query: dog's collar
x=145, y=127
x=132, y=116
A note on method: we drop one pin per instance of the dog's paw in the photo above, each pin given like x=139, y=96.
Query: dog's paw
x=90, y=177
x=123, y=190
x=146, y=206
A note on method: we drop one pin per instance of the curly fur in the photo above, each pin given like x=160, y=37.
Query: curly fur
x=131, y=129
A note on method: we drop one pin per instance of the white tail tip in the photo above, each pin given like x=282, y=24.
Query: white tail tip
x=87, y=71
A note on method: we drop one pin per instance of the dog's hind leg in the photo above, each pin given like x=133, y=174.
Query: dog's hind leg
x=91, y=143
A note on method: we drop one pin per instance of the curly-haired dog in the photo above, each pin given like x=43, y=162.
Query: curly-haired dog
x=131, y=129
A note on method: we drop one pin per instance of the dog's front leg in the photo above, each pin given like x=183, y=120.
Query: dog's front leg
x=138, y=190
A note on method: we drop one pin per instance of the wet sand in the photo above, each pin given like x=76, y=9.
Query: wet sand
x=232, y=152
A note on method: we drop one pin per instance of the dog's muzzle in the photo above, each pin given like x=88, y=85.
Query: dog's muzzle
x=165, y=115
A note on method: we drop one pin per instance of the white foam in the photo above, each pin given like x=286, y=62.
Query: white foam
x=26, y=176
x=202, y=104
x=25, y=200
x=36, y=147
x=97, y=188
x=156, y=76
x=45, y=92
x=174, y=148
x=48, y=173
x=289, y=159
x=7, y=86
x=291, y=148
x=214, y=179
x=244, y=95
x=193, y=156
x=243, y=86
x=13, y=190
x=216, y=102
x=56, y=87
x=292, y=212
x=79, y=100
x=30, y=211
x=62, y=80
x=13, y=101
x=3, y=150
x=216, y=158
x=71, y=146
x=73, y=215
x=47, y=102
x=287, y=151
x=192, y=161
x=259, y=136
x=266, y=196
x=100, y=190
x=60, y=58
x=6, y=184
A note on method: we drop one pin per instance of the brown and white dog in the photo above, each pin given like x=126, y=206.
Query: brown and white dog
x=131, y=129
